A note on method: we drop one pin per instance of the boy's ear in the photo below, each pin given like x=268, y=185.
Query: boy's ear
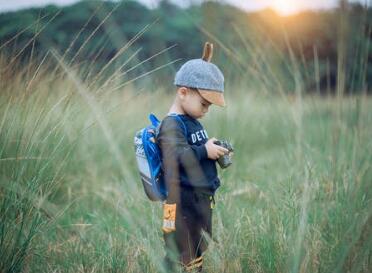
x=182, y=92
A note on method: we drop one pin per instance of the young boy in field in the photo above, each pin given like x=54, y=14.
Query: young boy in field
x=189, y=162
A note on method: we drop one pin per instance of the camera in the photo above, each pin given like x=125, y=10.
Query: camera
x=225, y=160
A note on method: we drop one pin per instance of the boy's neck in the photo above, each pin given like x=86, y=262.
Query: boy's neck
x=177, y=109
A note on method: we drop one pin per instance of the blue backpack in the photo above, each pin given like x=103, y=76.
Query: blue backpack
x=148, y=156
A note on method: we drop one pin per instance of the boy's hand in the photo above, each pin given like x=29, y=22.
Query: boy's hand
x=214, y=151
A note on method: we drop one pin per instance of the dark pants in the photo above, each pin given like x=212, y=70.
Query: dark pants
x=186, y=244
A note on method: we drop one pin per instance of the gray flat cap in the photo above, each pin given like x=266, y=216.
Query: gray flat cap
x=204, y=76
x=198, y=73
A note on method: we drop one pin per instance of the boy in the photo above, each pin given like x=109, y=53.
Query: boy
x=189, y=162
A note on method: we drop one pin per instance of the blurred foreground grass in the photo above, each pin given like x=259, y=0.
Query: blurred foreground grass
x=297, y=198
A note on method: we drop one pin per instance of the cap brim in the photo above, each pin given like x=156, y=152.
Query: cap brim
x=213, y=97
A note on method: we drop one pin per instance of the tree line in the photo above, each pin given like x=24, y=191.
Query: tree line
x=313, y=48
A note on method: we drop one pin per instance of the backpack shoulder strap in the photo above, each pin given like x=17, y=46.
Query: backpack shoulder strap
x=180, y=120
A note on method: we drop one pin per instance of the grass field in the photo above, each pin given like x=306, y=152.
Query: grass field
x=296, y=199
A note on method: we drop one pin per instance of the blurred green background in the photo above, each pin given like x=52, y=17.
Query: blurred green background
x=90, y=33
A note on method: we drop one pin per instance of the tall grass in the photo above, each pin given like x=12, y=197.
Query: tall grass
x=71, y=199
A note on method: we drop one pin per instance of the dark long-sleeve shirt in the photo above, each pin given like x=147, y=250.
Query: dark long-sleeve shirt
x=185, y=161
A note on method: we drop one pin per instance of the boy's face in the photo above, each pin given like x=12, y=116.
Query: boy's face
x=193, y=103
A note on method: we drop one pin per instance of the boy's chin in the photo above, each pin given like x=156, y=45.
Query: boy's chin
x=196, y=116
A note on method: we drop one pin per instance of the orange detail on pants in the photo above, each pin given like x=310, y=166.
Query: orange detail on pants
x=169, y=217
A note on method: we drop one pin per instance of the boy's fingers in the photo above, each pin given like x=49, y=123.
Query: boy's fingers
x=213, y=139
x=224, y=150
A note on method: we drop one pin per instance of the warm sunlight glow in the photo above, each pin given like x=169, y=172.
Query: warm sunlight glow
x=286, y=7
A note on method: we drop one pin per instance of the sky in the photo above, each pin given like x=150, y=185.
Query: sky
x=284, y=7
